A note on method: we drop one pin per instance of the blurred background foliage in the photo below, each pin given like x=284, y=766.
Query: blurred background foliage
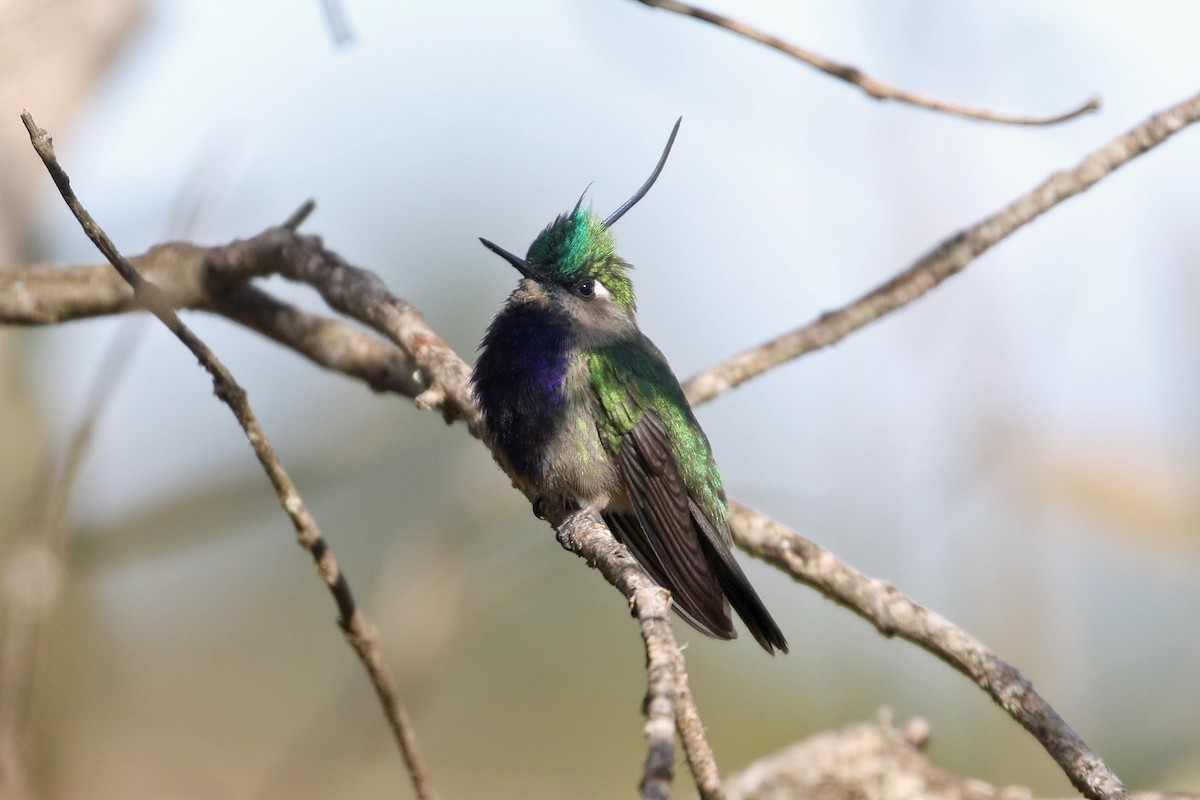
x=1019, y=451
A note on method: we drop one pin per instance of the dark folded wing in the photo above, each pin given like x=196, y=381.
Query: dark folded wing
x=661, y=531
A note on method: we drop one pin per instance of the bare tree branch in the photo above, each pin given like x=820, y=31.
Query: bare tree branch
x=695, y=742
x=358, y=630
x=875, y=88
x=861, y=760
x=869, y=759
x=662, y=696
x=947, y=259
x=42, y=294
x=327, y=342
x=362, y=296
x=668, y=694
x=893, y=614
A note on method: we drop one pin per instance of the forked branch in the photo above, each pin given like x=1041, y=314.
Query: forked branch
x=360, y=633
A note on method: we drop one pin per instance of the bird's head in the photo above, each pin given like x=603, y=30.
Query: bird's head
x=572, y=265
x=576, y=255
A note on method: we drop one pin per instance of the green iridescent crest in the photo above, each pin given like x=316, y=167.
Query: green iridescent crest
x=577, y=245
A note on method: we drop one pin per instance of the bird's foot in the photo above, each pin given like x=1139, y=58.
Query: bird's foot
x=565, y=533
x=565, y=536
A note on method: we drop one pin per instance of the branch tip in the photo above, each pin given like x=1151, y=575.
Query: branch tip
x=297, y=217
x=873, y=87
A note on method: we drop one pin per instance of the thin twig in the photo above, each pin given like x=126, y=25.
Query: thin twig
x=696, y=748
x=360, y=633
x=875, y=88
x=582, y=535
x=662, y=695
x=945, y=260
x=300, y=215
x=893, y=614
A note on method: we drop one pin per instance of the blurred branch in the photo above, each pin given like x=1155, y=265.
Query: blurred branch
x=869, y=759
x=893, y=614
x=31, y=577
x=860, y=760
x=337, y=22
x=54, y=53
x=875, y=88
x=945, y=260
x=358, y=630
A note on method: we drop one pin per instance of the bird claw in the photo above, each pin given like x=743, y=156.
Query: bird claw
x=565, y=533
x=565, y=538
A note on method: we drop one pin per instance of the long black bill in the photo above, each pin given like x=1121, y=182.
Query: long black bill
x=516, y=261
x=640, y=193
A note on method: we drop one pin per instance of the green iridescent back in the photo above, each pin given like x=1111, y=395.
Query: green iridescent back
x=632, y=377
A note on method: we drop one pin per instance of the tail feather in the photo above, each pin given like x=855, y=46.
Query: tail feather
x=748, y=605
x=736, y=586
x=730, y=584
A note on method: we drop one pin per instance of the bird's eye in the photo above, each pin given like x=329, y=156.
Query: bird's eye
x=586, y=288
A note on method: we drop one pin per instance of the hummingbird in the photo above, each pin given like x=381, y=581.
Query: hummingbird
x=585, y=413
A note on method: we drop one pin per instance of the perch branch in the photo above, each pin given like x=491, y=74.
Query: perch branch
x=893, y=614
x=668, y=695
x=945, y=260
x=852, y=75
x=701, y=760
x=358, y=630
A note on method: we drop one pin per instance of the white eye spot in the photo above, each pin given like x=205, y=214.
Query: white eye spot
x=590, y=289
